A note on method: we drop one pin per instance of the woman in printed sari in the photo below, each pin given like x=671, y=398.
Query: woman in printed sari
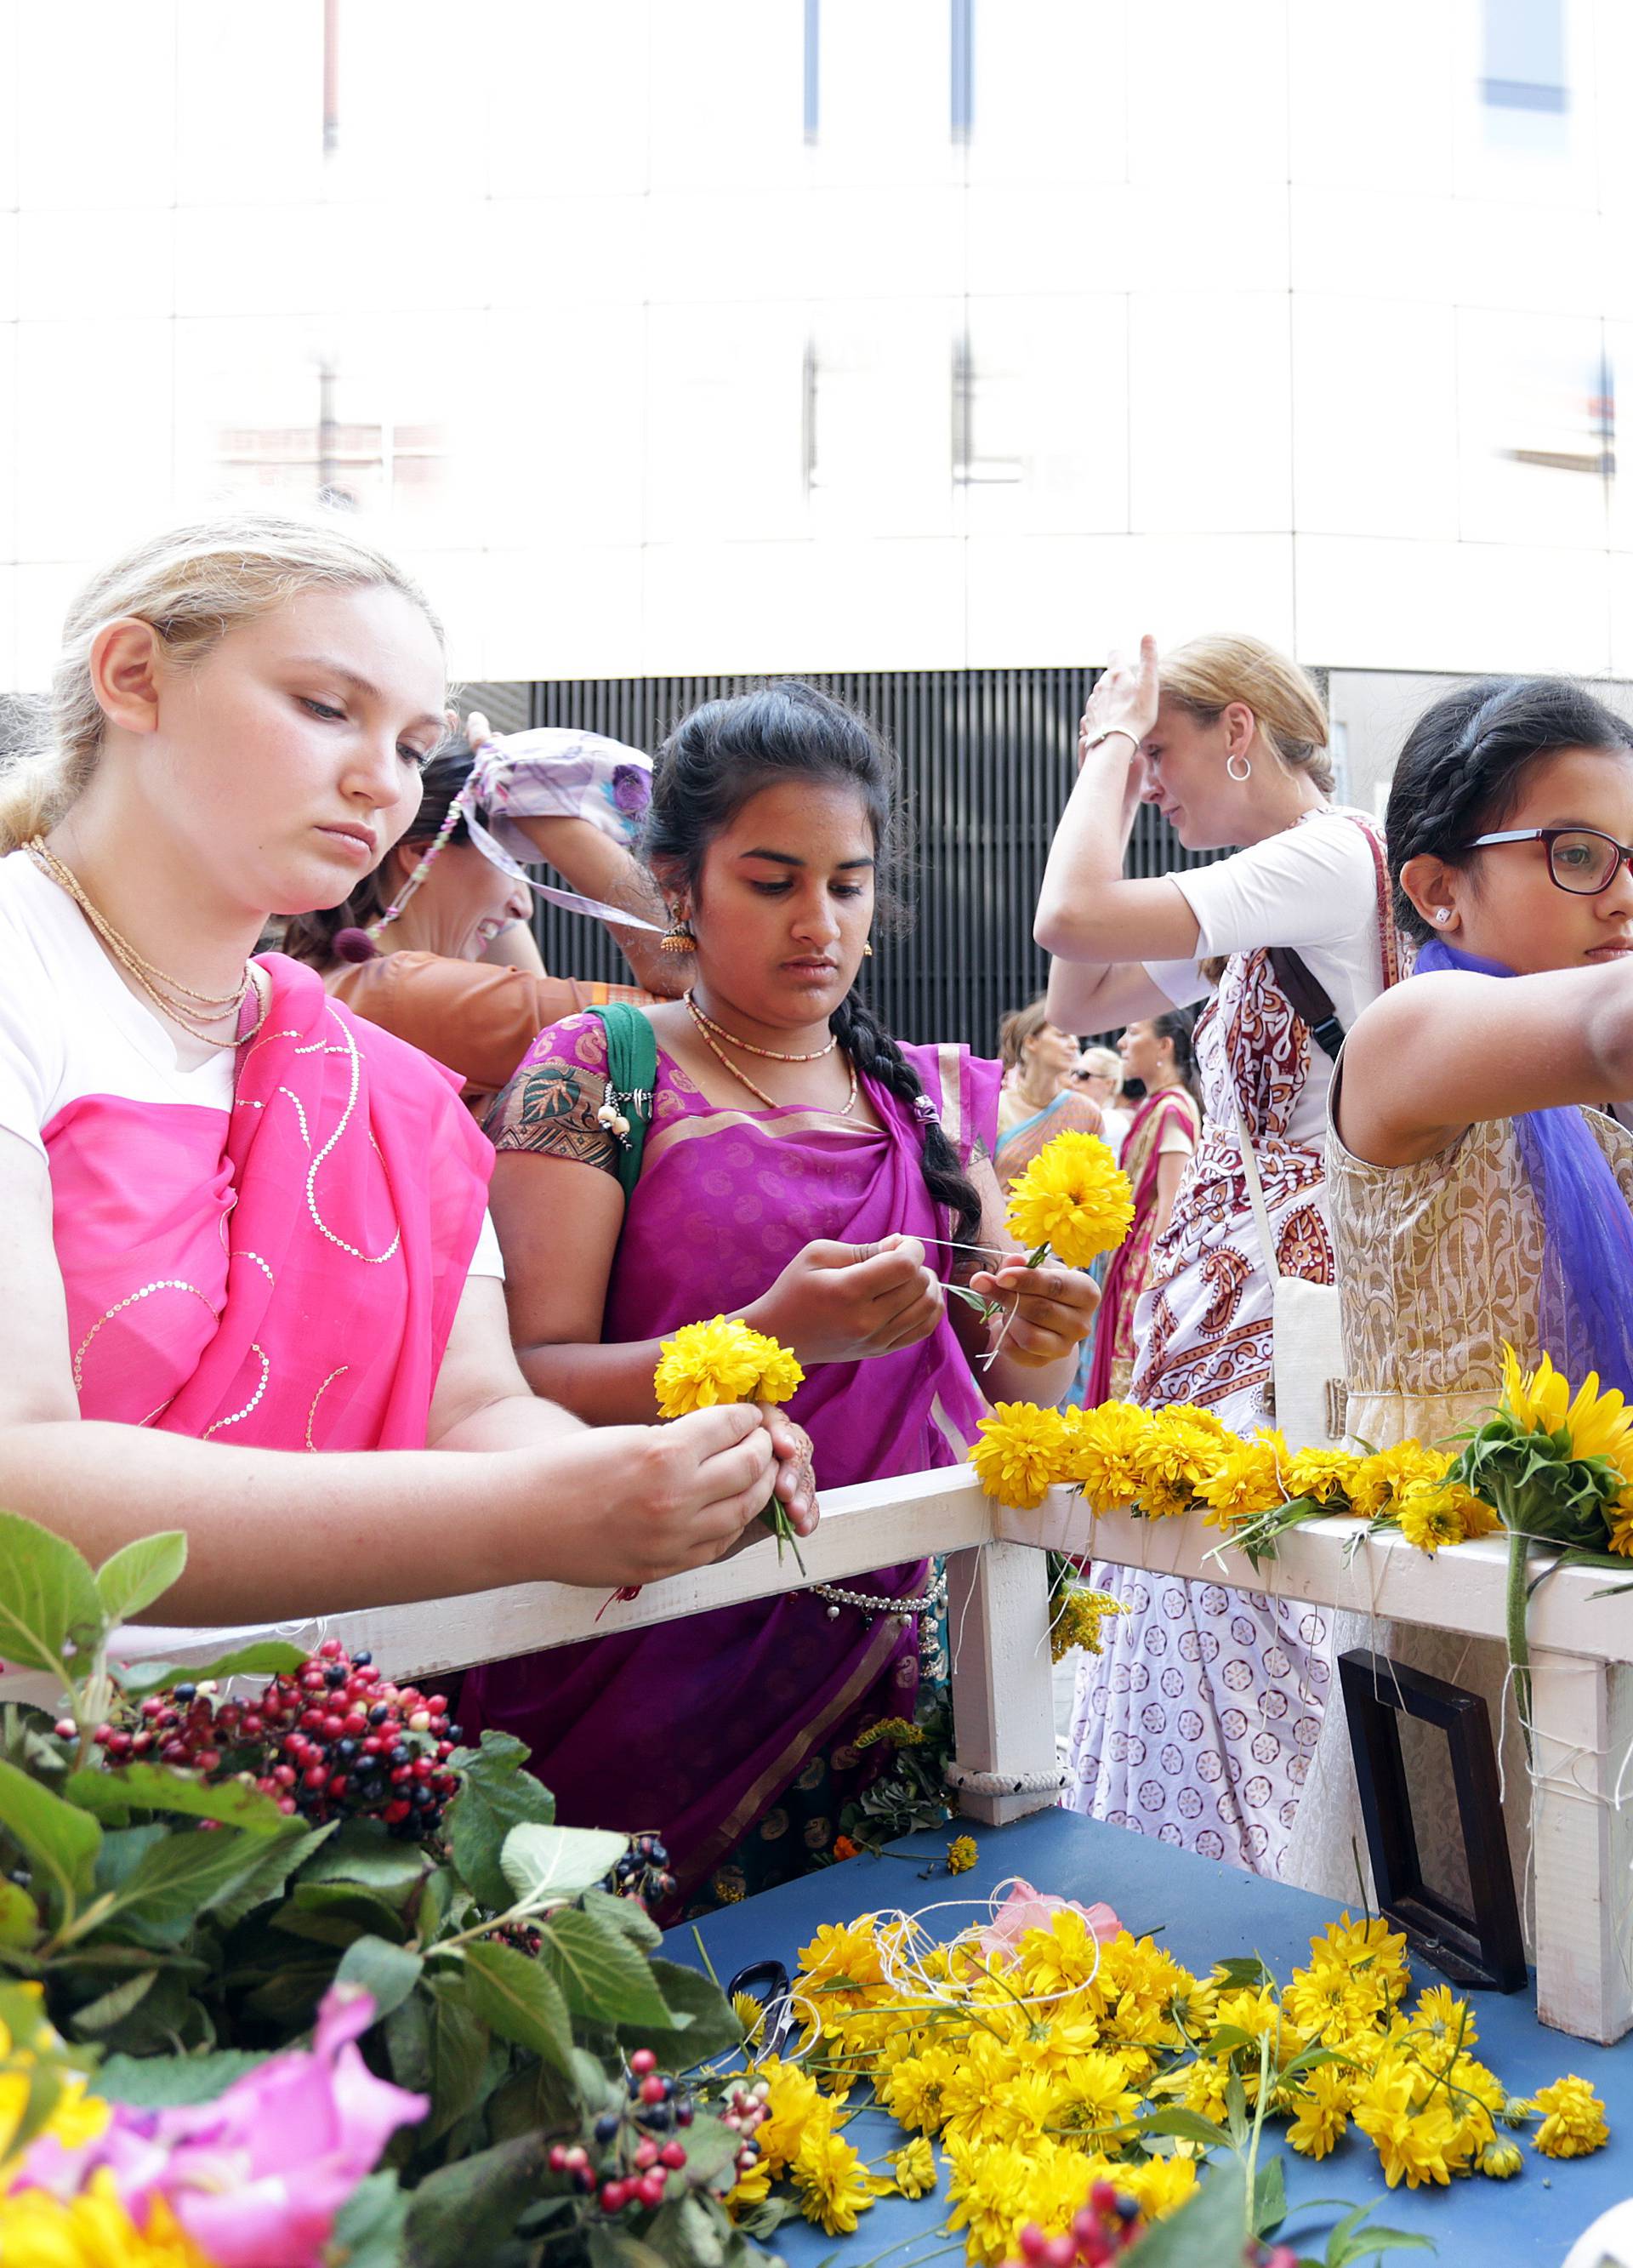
x=245, y=1236
x=1160, y=1144
x=805, y=1172
x=1037, y=1100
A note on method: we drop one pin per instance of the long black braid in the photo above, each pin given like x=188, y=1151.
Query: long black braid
x=1463, y=767
x=725, y=752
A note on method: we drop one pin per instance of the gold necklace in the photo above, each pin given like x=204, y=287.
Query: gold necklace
x=196, y=1011
x=769, y=1100
x=772, y=1054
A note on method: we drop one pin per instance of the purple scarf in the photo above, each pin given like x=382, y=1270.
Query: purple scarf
x=1584, y=1307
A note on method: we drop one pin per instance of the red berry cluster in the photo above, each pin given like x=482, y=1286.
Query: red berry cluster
x=633, y=2165
x=1107, y=2225
x=1110, y=2225
x=326, y=1741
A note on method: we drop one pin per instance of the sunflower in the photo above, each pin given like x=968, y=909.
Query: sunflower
x=1073, y=1198
x=1541, y=1401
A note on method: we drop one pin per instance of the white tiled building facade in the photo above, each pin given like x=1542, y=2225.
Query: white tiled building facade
x=715, y=334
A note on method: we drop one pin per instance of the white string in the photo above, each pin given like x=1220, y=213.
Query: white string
x=898, y=1934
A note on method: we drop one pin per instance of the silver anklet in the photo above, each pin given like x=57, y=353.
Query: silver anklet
x=866, y=1602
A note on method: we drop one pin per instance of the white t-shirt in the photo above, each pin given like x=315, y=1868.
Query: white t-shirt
x=1314, y=887
x=70, y=1027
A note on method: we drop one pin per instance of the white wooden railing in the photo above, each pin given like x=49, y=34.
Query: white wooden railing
x=1003, y=1687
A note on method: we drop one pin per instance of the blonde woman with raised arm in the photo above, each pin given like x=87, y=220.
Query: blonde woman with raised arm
x=1198, y=1723
x=243, y=1235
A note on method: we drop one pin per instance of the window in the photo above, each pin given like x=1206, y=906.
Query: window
x=961, y=66
x=989, y=420
x=812, y=67
x=1524, y=56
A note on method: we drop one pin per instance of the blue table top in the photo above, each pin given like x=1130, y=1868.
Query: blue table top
x=1205, y=1912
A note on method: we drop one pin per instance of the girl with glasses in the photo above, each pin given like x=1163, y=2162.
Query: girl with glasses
x=1479, y=1190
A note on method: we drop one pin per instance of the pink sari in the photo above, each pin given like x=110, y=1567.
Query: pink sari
x=285, y=1275
x=697, y=1727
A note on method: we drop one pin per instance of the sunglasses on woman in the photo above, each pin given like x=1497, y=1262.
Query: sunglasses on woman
x=1580, y=859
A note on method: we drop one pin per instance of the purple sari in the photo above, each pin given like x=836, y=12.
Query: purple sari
x=696, y=1727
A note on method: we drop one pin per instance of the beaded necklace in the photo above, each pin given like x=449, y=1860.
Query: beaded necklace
x=196, y=1012
x=742, y=1077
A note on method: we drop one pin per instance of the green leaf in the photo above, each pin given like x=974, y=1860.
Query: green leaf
x=48, y=1597
x=369, y=2227
x=544, y=1865
x=624, y=1914
x=19, y=1917
x=62, y=1840
x=160, y=2082
x=181, y=1877
x=265, y=1657
x=1350, y=2241
x=458, y=2059
x=463, y=2212
x=601, y=1975
x=123, y=1849
x=1269, y=2198
x=140, y=1573
x=1191, y=2125
x=387, y=1973
x=1208, y=2228
x=113, y=2006
x=496, y=1796
x=408, y=2042
x=520, y=1999
x=532, y=2099
x=114, y=1794
x=281, y=1856
x=713, y=2030
x=364, y=1853
x=345, y=1907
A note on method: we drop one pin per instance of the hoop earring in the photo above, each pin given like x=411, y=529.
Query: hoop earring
x=1245, y=773
x=680, y=935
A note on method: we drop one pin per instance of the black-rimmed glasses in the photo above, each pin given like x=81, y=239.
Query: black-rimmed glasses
x=1580, y=859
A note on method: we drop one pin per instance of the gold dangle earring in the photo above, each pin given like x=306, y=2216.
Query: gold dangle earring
x=679, y=936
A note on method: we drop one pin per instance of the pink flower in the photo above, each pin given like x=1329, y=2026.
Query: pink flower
x=1025, y=1909
x=257, y=2176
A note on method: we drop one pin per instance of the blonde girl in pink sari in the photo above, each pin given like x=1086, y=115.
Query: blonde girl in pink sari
x=243, y=1235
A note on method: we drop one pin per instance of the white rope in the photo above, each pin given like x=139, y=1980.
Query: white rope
x=987, y=1783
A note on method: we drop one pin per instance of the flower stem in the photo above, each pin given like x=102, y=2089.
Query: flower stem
x=1519, y=1644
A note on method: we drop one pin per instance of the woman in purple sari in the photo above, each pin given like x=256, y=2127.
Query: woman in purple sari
x=803, y=1171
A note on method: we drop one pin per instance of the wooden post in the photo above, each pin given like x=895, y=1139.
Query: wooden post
x=1002, y=1681
x=1582, y=1848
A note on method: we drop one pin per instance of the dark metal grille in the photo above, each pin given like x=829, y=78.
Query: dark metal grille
x=987, y=758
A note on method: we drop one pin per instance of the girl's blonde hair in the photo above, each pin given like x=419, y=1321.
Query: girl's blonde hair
x=193, y=583
x=1104, y=1063
x=1207, y=675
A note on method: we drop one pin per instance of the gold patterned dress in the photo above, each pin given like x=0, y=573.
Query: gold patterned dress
x=1437, y=1263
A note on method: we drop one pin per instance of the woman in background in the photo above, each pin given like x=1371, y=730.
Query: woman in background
x=1198, y=1723
x=1160, y=1145
x=434, y=946
x=1097, y=1074
x=1036, y=1100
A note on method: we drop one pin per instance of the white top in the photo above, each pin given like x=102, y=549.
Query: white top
x=70, y=1027
x=1314, y=887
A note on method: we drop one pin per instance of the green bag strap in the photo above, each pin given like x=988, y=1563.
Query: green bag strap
x=632, y=1077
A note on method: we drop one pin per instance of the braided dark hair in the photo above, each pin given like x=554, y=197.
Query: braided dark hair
x=725, y=752
x=311, y=937
x=1464, y=766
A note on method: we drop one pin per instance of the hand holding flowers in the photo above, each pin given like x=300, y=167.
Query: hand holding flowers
x=726, y=1360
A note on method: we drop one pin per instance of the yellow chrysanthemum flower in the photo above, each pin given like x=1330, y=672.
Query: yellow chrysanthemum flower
x=722, y=1360
x=749, y=2014
x=1598, y=1424
x=914, y=2169
x=1247, y=1480
x=1074, y=1197
x=1322, y=1475
x=1378, y=1480
x=961, y=1854
x=1172, y=1457
x=1573, y=2121
x=896, y=1730
x=1102, y=1453
x=834, y=2185
x=1018, y=1458
x=1447, y=2021
x=794, y=2106
x=1322, y=2105
x=91, y=2230
x=1500, y=2160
